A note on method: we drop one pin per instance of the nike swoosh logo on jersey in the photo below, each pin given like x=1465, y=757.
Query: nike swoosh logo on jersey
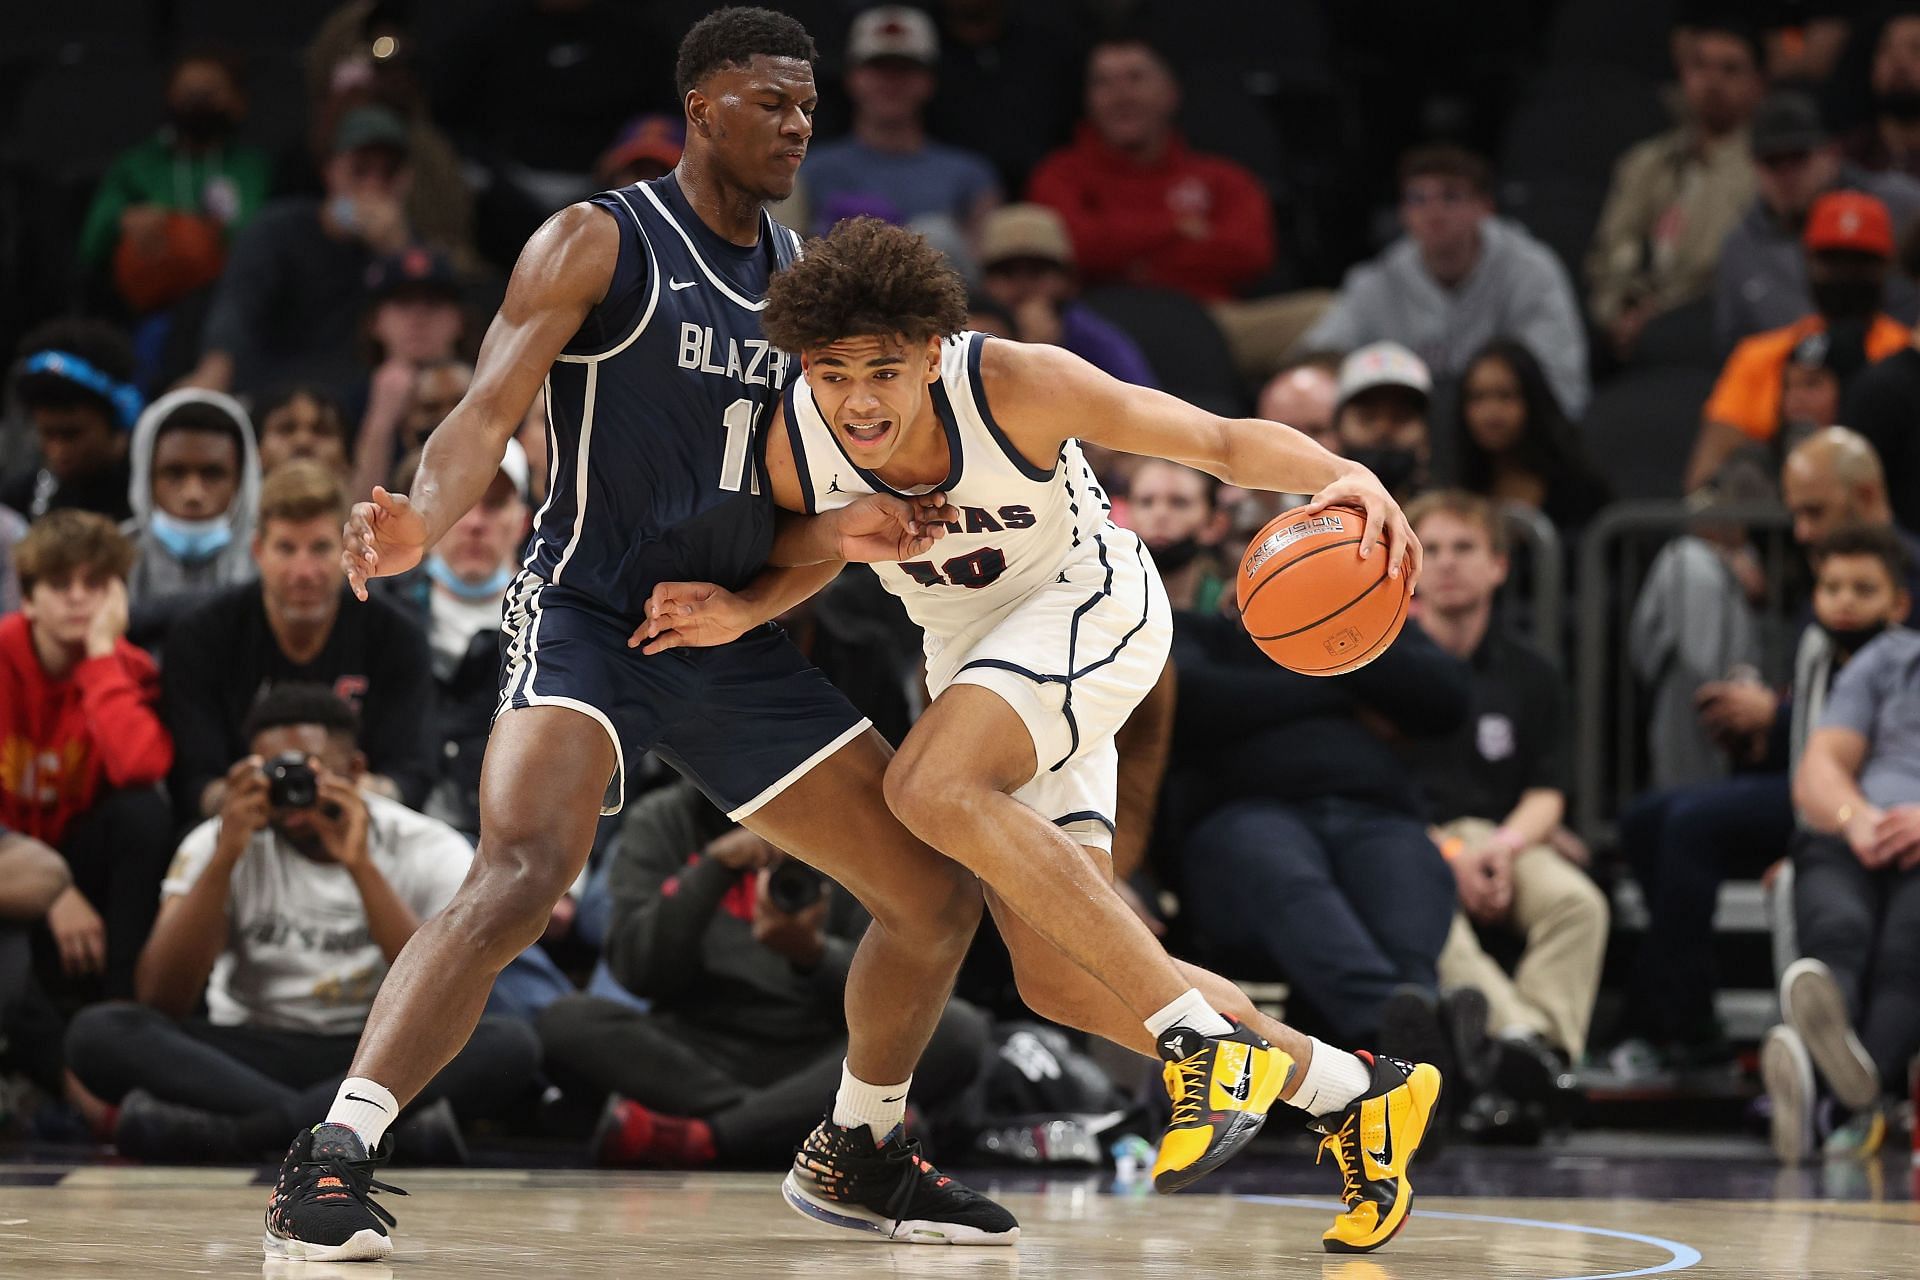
x=678, y=285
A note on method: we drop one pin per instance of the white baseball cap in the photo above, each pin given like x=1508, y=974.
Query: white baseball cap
x=1383, y=364
x=893, y=31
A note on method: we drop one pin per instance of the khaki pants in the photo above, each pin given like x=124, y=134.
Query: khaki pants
x=1262, y=331
x=1563, y=917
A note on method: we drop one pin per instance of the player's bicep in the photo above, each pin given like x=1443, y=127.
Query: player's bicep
x=1050, y=393
x=783, y=469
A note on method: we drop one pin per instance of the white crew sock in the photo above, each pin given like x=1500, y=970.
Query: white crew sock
x=1333, y=1080
x=880, y=1107
x=1191, y=1011
x=364, y=1107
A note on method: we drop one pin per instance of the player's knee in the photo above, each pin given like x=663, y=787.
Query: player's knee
x=921, y=794
x=506, y=902
x=936, y=920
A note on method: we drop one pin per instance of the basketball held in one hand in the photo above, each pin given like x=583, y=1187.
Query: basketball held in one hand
x=1311, y=603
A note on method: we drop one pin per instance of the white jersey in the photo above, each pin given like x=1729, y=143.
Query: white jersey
x=1019, y=524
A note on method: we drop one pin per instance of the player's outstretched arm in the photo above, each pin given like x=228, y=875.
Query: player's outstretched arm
x=562, y=273
x=1040, y=393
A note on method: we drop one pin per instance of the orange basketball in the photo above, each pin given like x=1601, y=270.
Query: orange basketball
x=1311, y=603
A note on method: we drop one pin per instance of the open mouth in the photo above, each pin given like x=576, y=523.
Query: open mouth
x=870, y=433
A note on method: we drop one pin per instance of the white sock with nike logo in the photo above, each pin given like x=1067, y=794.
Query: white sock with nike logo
x=1333, y=1079
x=880, y=1107
x=364, y=1107
x=1191, y=1011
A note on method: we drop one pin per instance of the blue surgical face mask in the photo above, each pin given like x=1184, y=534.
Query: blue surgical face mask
x=442, y=573
x=344, y=213
x=192, y=541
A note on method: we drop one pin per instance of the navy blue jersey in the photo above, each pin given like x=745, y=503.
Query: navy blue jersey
x=656, y=412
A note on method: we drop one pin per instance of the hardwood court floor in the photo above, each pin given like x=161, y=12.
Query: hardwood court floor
x=128, y=1222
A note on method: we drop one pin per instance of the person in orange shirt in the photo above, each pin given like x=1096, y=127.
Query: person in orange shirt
x=1849, y=244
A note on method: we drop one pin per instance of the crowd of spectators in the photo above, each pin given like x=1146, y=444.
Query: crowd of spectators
x=229, y=791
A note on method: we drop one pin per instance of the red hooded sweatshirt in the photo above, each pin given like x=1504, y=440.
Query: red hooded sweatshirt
x=62, y=741
x=1128, y=219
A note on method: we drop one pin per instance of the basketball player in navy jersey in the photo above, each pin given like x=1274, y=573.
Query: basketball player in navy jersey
x=1046, y=624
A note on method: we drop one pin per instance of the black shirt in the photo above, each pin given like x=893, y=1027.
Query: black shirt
x=1513, y=739
x=1884, y=406
x=222, y=655
x=104, y=492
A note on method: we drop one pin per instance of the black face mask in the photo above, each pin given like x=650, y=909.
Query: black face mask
x=1392, y=467
x=1901, y=104
x=199, y=121
x=1172, y=557
x=1853, y=639
x=1846, y=299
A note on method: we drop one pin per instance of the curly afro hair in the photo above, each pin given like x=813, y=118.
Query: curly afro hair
x=735, y=36
x=865, y=278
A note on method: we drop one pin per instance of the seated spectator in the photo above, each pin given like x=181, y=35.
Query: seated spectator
x=299, y=622
x=32, y=878
x=1890, y=141
x=940, y=190
x=647, y=147
x=1514, y=443
x=416, y=323
x=1849, y=247
x=1810, y=389
x=1176, y=512
x=1762, y=282
x=1141, y=208
x=1496, y=789
x=1381, y=416
x=74, y=379
x=285, y=911
x=302, y=421
x=289, y=306
x=82, y=747
x=1460, y=277
x=1303, y=395
x=1026, y=265
x=1883, y=404
x=1675, y=196
x=457, y=598
x=743, y=955
x=196, y=483
x=1320, y=872
x=1852, y=1004
x=165, y=210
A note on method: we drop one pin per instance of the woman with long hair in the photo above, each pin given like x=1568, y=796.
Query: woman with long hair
x=1515, y=442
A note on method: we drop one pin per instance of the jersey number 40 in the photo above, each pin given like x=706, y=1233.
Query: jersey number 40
x=975, y=569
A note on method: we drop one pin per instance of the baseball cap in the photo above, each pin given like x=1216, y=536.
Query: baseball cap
x=893, y=31
x=1787, y=121
x=656, y=137
x=415, y=269
x=369, y=127
x=1025, y=231
x=513, y=465
x=1383, y=364
x=1849, y=221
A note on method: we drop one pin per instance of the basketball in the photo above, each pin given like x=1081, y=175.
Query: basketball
x=1311, y=603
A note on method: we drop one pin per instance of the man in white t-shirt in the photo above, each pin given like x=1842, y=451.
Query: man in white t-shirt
x=285, y=909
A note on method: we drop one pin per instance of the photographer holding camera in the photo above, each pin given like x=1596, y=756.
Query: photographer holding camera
x=286, y=908
x=743, y=953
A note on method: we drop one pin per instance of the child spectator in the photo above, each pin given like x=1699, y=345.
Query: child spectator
x=1515, y=443
x=302, y=421
x=74, y=379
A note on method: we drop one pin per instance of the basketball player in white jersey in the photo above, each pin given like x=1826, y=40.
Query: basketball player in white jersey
x=1045, y=625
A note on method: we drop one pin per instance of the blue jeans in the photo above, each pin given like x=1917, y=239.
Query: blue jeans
x=1346, y=901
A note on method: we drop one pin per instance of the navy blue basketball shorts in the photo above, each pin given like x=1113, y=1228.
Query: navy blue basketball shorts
x=744, y=721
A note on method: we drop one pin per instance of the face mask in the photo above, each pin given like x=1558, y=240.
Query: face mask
x=340, y=211
x=1901, y=104
x=192, y=541
x=1172, y=557
x=440, y=572
x=199, y=121
x=1392, y=467
x=1846, y=299
x=1853, y=639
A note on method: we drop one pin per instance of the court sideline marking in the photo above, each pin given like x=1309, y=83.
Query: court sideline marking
x=1682, y=1256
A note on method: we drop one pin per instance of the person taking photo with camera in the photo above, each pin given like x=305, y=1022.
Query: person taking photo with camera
x=285, y=909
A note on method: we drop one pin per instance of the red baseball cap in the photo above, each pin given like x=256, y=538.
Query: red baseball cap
x=1850, y=221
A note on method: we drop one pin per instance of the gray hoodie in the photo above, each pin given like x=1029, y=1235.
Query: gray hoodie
x=1517, y=289
x=162, y=585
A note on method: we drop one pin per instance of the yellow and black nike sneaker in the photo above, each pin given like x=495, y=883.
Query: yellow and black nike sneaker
x=1373, y=1141
x=1222, y=1088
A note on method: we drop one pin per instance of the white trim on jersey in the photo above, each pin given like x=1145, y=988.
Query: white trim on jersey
x=798, y=771
x=699, y=261
x=553, y=470
x=580, y=472
x=653, y=296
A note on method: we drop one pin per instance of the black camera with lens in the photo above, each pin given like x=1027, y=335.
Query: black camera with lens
x=794, y=886
x=291, y=783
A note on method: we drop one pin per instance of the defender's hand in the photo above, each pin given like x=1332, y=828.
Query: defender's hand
x=1360, y=488
x=699, y=615
x=881, y=527
x=384, y=537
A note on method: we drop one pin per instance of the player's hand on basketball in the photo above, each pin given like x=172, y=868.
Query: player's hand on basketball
x=695, y=615
x=881, y=527
x=384, y=536
x=1385, y=521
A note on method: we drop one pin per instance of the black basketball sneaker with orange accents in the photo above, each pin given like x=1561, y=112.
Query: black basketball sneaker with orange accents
x=839, y=1177
x=322, y=1208
x=1372, y=1142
